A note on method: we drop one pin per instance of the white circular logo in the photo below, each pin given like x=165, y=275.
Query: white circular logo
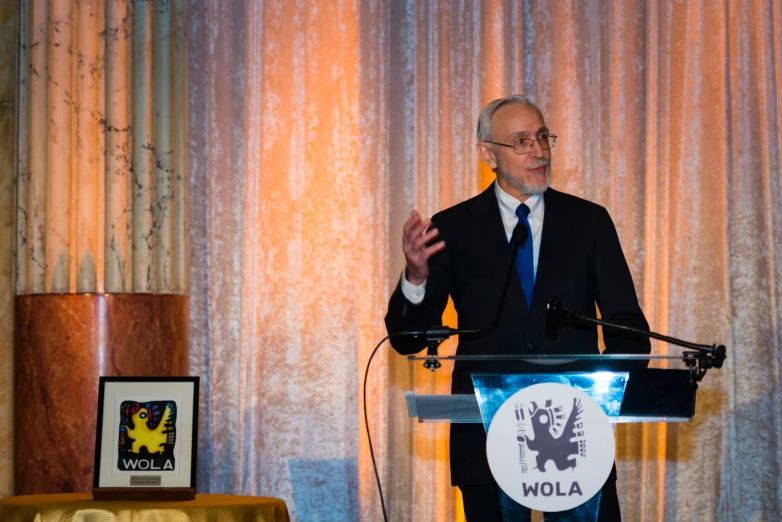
x=550, y=447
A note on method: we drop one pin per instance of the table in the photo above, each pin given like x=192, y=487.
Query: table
x=67, y=507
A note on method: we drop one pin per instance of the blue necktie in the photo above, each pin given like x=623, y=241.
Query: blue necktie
x=525, y=265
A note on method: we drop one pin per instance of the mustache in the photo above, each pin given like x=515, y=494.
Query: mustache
x=538, y=164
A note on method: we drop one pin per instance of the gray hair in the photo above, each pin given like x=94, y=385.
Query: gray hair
x=484, y=122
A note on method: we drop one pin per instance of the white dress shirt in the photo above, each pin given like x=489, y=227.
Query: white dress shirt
x=508, y=204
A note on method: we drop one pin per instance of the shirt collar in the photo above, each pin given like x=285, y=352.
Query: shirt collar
x=508, y=203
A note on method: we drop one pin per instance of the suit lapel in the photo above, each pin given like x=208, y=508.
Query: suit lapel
x=488, y=225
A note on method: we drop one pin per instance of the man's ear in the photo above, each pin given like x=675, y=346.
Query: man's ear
x=487, y=153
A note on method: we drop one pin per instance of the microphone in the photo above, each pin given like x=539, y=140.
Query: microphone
x=436, y=335
x=519, y=236
x=554, y=318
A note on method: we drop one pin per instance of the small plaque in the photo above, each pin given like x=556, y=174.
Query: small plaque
x=146, y=480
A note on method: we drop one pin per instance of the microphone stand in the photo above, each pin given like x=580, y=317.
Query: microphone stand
x=699, y=359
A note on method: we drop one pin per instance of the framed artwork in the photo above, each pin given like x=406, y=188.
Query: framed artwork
x=147, y=438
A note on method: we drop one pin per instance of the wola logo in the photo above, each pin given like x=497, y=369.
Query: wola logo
x=147, y=436
x=562, y=443
x=553, y=433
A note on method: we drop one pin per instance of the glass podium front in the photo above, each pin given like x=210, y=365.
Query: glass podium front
x=471, y=389
x=663, y=392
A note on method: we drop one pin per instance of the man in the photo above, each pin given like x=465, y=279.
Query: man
x=572, y=252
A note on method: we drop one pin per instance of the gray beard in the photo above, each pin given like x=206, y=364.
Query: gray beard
x=523, y=187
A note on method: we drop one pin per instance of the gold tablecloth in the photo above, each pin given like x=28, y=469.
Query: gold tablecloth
x=79, y=507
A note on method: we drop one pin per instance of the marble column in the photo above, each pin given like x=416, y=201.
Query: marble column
x=85, y=336
x=101, y=169
x=100, y=228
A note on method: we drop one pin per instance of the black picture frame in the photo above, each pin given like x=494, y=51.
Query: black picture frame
x=146, y=388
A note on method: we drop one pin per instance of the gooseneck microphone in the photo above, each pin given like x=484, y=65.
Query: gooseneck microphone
x=436, y=335
x=517, y=237
x=555, y=318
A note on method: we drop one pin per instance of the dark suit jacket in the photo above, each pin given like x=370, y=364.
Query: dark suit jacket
x=580, y=261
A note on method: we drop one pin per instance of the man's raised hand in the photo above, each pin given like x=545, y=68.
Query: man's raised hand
x=416, y=235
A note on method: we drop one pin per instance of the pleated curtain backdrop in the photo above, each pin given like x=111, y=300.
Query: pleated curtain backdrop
x=314, y=127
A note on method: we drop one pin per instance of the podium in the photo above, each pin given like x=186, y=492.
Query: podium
x=628, y=388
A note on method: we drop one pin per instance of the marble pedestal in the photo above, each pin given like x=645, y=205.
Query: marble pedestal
x=64, y=342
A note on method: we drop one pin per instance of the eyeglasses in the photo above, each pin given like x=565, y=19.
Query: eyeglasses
x=524, y=145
